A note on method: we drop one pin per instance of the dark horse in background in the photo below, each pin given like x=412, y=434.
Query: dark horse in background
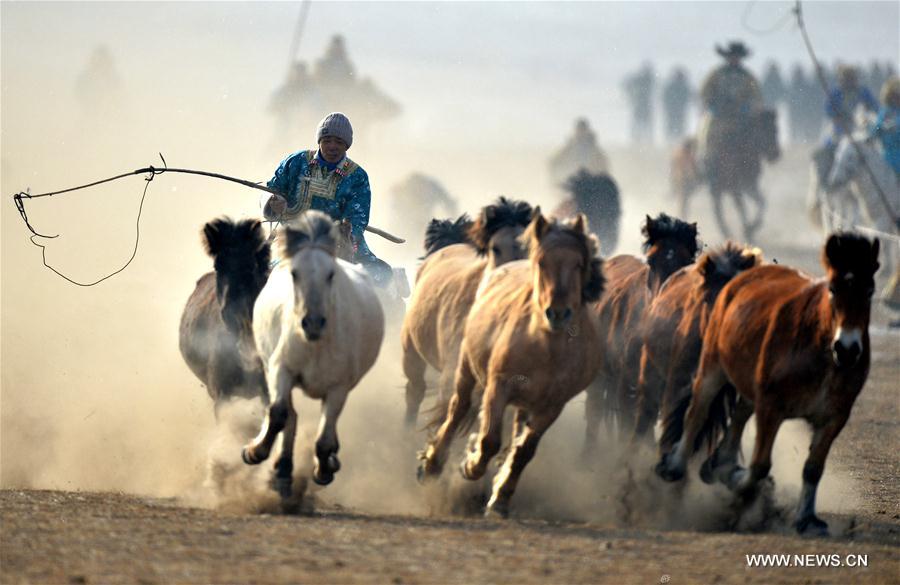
x=596, y=195
x=735, y=149
x=216, y=333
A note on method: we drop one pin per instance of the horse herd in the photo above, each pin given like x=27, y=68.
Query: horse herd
x=518, y=309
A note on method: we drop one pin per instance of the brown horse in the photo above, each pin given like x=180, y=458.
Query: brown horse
x=672, y=338
x=631, y=284
x=793, y=347
x=446, y=284
x=216, y=335
x=531, y=342
x=735, y=149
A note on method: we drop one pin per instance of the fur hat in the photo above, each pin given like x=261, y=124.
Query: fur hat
x=890, y=91
x=735, y=49
x=335, y=124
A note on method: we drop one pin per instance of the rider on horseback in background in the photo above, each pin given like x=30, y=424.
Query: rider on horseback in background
x=841, y=107
x=730, y=96
x=326, y=180
x=887, y=126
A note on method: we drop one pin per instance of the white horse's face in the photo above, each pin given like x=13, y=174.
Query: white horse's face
x=313, y=271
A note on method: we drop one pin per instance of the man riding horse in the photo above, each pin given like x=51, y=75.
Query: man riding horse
x=730, y=96
x=325, y=179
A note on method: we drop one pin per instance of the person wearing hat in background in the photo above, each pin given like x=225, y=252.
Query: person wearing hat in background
x=325, y=179
x=887, y=126
x=730, y=96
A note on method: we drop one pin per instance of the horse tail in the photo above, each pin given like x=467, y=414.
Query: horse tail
x=714, y=426
x=441, y=233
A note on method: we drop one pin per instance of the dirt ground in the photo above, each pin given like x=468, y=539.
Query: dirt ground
x=109, y=520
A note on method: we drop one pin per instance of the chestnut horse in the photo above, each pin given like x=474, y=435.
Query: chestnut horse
x=631, y=284
x=531, y=342
x=793, y=347
x=673, y=337
x=216, y=334
x=446, y=284
x=318, y=326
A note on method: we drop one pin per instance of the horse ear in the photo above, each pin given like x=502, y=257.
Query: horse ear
x=706, y=266
x=832, y=248
x=580, y=223
x=292, y=240
x=489, y=213
x=213, y=236
x=539, y=223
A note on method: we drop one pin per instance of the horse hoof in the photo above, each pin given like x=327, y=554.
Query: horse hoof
x=248, y=457
x=321, y=477
x=282, y=485
x=466, y=472
x=497, y=511
x=811, y=526
x=666, y=473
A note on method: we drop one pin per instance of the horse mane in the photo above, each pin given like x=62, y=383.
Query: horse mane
x=312, y=228
x=504, y=213
x=590, y=190
x=575, y=228
x=849, y=251
x=441, y=233
x=243, y=238
x=719, y=266
x=666, y=227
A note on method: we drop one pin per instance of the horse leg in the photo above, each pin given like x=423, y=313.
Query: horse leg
x=593, y=413
x=277, y=416
x=436, y=453
x=709, y=382
x=723, y=461
x=625, y=392
x=522, y=451
x=745, y=481
x=327, y=462
x=756, y=196
x=649, y=387
x=414, y=368
x=738, y=197
x=823, y=436
x=720, y=217
x=488, y=442
x=284, y=466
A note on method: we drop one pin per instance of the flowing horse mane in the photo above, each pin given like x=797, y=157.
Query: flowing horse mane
x=719, y=266
x=541, y=229
x=504, y=213
x=665, y=227
x=312, y=228
x=441, y=233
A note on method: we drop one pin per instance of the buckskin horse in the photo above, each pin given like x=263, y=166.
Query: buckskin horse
x=318, y=326
x=792, y=347
x=215, y=335
x=446, y=284
x=631, y=284
x=531, y=342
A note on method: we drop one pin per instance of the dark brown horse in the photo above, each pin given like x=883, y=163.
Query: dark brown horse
x=792, y=347
x=596, y=195
x=216, y=335
x=631, y=283
x=530, y=342
x=735, y=149
x=673, y=337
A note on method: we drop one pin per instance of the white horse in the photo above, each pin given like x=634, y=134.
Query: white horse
x=318, y=326
x=849, y=173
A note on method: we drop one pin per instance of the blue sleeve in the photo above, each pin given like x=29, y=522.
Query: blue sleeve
x=869, y=100
x=359, y=203
x=879, y=123
x=285, y=175
x=833, y=105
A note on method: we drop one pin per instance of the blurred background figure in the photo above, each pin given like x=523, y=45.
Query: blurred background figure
x=774, y=90
x=415, y=201
x=676, y=96
x=580, y=152
x=639, y=92
x=98, y=88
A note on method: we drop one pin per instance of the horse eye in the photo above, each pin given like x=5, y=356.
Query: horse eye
x=295, y=275
x=496, y=250
x=330, y=276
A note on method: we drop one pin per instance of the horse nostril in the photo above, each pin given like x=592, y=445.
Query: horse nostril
x=567, y=313
x=304, y=322
x=550, y=314
x=322, y=323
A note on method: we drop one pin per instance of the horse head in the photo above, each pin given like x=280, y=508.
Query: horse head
x=497, y=230
x=669, y=244
x=850, y=262
x=567, y=272
x=719, y=266
x=597, y=196
x=311, y=243
x=241, y=258
x=767, y=135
